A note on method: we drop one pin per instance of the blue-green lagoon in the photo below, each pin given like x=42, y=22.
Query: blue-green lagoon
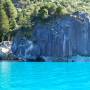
x=44, y=76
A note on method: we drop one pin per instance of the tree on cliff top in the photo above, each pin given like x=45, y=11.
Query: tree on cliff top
x=8, y=14
x=4, y=22
x=11, y=13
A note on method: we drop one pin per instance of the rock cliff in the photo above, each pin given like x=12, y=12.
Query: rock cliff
x=61, y=37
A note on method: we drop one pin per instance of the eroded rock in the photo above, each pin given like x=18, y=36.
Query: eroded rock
x=62, y=37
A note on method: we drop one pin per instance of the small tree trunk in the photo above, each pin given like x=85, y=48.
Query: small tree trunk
x=12, y=38
x=2, y=38
x=9, y=37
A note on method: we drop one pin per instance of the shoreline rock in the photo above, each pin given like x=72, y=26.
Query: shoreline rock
x=63, y=37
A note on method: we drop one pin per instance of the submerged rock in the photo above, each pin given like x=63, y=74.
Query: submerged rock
x=79, y=58
x=61, y=37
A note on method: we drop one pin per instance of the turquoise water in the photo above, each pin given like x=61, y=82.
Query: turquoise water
x=44, y=76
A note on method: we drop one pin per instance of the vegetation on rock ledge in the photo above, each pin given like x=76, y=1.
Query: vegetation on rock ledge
x=23, y=14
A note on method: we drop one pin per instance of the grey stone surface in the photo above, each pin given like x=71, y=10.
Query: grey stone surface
x=61, y=37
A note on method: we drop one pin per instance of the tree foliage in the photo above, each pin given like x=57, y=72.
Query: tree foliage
x=25, y=13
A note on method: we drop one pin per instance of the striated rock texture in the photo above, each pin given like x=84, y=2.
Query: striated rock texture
x=61, y=37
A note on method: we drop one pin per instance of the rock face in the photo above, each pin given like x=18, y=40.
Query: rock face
x=5, y=49
x=24, y=48
x=61, y=37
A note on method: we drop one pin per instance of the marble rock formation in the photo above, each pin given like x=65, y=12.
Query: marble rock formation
x=61, y=37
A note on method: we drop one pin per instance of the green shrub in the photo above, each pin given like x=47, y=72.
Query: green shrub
x=51, y=8
x=43, y=13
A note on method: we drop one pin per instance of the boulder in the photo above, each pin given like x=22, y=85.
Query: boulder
x=5, y=49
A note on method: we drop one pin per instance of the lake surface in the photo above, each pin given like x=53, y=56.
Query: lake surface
x=44, y=76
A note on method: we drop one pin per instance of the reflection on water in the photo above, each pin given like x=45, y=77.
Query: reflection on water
x=4, y=77
x=5, y=67
x=44, y=76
